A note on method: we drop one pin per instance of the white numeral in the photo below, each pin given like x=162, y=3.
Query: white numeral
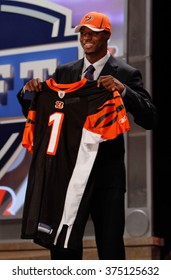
x=55, y=120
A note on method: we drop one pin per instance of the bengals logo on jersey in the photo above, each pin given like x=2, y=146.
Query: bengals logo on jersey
x=59, y=104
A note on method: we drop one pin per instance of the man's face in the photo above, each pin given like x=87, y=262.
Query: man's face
x=93, y=43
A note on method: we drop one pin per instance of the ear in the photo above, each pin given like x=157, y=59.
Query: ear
x=107, y=34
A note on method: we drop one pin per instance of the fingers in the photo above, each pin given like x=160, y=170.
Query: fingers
x=110, y=83
x=99, y=81
x=107, y=82
x=34, y=85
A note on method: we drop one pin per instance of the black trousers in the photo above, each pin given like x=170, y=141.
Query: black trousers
x=108, y=216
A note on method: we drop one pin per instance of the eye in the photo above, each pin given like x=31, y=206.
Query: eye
x=90, y=33
x=82, y=33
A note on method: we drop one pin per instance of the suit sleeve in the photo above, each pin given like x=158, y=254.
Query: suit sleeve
x=139, y=103
x=25, y=104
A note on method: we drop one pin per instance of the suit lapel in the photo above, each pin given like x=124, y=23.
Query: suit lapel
x=77, y=69
x=110, y=67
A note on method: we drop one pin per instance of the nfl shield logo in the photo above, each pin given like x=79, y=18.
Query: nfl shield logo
x=61, y=94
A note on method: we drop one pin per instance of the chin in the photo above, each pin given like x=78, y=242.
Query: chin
x=89, y=52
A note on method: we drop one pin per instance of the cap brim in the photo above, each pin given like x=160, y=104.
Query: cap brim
x=78, y=27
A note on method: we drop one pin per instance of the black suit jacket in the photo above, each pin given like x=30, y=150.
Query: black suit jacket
x=109, y=167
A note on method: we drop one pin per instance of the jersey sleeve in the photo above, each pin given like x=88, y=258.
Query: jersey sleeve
x=110, y=120
x=28, y=133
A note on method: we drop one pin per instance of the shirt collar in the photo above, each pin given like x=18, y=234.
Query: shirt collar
x=98, y=64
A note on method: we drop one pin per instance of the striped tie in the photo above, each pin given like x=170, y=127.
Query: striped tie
x=89, y=73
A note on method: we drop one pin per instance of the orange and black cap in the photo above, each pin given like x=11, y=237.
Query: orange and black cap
x=95, y=21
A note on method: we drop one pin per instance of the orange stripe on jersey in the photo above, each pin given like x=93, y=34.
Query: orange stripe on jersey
x=65, y=87
x=28, y=134
x=110, y=120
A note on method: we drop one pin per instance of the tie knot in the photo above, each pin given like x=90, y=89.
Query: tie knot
x=90, y=68
x=89, y=72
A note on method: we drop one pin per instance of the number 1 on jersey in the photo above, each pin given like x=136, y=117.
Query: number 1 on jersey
x=55, y=120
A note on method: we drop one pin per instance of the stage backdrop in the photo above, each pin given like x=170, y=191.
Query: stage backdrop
x=36, y=36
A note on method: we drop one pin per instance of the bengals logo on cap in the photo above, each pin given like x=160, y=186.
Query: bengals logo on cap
x=88, y=17
x=59, y=104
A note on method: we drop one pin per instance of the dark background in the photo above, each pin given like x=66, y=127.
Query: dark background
x=161, y=84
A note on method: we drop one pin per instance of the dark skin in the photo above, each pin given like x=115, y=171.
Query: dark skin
x=95, y=47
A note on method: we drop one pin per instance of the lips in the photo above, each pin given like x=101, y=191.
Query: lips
x=88, y=45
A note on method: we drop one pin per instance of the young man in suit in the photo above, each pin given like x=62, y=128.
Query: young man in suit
x=108, y=174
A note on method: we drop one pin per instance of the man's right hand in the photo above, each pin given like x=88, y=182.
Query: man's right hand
x=34, y=85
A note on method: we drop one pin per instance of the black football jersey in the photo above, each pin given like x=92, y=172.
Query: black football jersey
x=65, y=125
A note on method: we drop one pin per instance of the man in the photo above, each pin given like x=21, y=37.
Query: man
x=107, y=179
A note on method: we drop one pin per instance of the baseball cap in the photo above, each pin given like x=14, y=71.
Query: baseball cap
x=95, y=21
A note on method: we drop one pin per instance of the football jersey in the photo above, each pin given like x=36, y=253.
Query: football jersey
x=65, y=125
